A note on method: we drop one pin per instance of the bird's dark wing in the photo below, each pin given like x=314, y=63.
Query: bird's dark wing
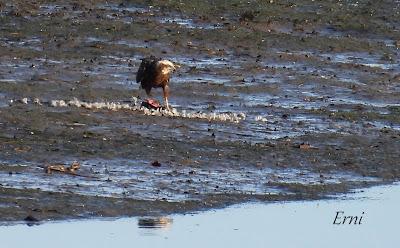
x=141, y=72
x=146, y=68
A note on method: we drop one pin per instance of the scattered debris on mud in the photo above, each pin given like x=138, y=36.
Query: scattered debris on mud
x=61, y=168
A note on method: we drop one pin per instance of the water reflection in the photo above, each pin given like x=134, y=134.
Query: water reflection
x=155, y=222
x=287, y=224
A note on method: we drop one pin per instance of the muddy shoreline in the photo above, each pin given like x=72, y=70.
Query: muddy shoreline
x=316, y=87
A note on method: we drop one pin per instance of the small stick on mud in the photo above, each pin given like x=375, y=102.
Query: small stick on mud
x=61, y=168
x=71, y=170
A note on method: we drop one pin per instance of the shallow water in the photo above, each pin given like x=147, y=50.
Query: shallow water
x=287, y=224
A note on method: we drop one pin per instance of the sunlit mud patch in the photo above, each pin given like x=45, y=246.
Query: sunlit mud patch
x=189, y=23
x=121, y=8
x=33, y=43
x=363, y=59
x=124, y=12
x=172, y=182
x=16, y=70
x=208, y=62
x=3, y=101
x=51, y=8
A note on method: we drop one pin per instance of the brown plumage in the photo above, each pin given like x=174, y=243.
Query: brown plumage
x=155, y=73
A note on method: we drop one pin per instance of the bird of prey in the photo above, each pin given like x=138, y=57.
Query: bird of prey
x=155, y=73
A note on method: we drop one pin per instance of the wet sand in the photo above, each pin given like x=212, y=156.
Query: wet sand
x=311, y=91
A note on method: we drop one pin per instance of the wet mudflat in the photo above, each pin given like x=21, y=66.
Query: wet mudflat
x=274, y=101
x=283, y=224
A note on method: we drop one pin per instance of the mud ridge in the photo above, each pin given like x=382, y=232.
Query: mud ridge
x=135, y=106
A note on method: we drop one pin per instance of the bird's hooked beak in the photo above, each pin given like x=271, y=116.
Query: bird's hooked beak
x=176, y=67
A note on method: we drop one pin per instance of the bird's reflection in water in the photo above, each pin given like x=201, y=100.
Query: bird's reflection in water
x=155, y=222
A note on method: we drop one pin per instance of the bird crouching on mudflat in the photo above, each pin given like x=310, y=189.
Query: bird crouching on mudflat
x=155, y=73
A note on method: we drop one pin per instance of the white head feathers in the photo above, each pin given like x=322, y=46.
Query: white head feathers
x=167, y=66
